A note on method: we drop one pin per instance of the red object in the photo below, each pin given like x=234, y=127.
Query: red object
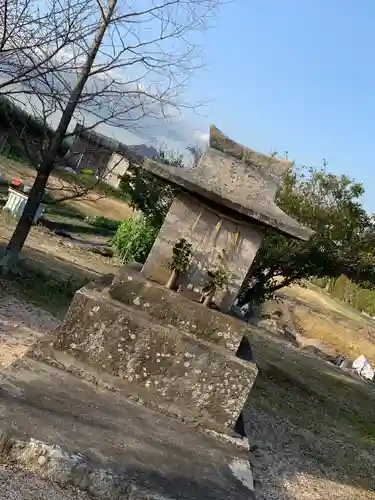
x=17, y=183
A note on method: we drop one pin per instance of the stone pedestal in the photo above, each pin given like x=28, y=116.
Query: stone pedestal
x=165, y=348
x=192, y=376
x=210, y=232
x=171, y=308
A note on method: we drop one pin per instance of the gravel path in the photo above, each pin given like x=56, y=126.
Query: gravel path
x=17, y=484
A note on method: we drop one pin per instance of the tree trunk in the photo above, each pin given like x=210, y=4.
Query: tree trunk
x=25, y=222
x=251, y=294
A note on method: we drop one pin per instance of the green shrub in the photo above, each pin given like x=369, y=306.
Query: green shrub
x=181, y=255
x=102, y=222
x=134, y=239
x=364, y=301
x=348, y=292
x=87, y=171
x=345, y=290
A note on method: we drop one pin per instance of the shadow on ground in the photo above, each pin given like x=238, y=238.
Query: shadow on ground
x=62, y=217
x=311, y=426
x=45, y=280
x=157, y=452
x=71, y=227
x=43, y=263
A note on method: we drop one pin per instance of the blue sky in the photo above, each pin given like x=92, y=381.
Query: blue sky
x=295, y=75
x=285, y=75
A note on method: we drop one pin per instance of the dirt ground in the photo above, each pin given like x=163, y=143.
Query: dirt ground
x=311, y=427
x=18, y=484
x=58, y=256
x=91, y=204
x=20, y=325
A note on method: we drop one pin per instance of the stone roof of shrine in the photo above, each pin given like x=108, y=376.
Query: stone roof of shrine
x=238, y=178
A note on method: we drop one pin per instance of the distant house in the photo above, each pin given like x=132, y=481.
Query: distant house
x=107, y=158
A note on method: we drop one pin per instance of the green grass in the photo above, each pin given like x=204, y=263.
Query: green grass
x=66, y=217
x=15, y=156
x=83, y=181
x=89, y=182
x=104, y=223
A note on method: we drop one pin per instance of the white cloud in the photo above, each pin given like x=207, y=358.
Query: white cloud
x=201, y=136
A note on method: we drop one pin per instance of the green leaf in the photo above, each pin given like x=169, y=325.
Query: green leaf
x=343, y=244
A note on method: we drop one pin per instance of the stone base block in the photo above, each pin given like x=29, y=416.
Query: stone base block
x=181, y=375
x=168, y=307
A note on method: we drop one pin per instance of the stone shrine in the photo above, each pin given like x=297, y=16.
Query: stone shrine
x=159, y=345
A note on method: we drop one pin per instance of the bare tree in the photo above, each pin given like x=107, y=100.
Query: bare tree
x=114, y=62
x=33, y=34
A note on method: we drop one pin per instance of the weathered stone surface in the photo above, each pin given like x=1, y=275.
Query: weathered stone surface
x=182, y=375
x=274, y=168
x=209, y=233
x=158, y=454
x=188, y=293
x=169, y=307
x=238, y=178
x=56, y=464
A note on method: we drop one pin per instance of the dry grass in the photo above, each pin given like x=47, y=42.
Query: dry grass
x=56, y=257
x=326, y=322
x=350, y=339
x=311, y=424
x=312, y=295
x=92, y=204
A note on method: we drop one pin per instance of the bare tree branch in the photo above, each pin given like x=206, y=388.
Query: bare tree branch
x=117, y=63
